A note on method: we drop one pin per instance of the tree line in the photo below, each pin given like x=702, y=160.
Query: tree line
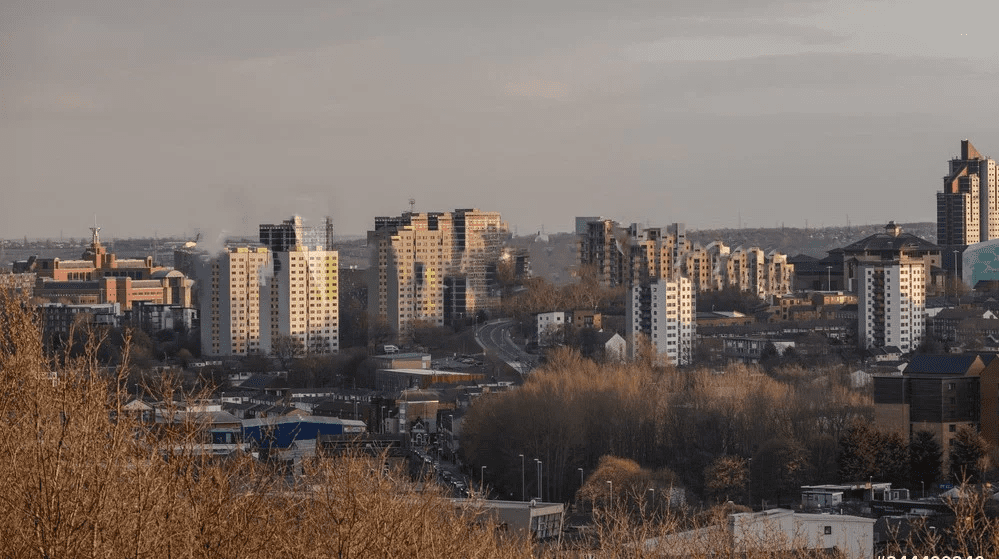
x=573, y=412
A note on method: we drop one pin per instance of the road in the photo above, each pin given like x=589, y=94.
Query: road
x=494, y=337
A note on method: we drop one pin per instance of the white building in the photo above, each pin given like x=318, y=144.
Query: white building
x=230, y=301
x=662, y=312
x=773, y=533
x=303, y=300
x=551, y=327
x=252, y=296
x=892, y=304
x=783, y=530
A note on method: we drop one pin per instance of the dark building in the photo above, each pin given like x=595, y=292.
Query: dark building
x=935, y=393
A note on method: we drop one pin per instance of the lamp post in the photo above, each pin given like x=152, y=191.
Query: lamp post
x=750, y=476
x=828, y=278
x=610, y=493
x=482, y=478
x=580, y=477
x=450, y=435
x=539, y=478
x=523, y=487
x=923, y=483
x=955, y=272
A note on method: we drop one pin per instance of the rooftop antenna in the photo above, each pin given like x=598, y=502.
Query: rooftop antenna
x=96, y=231
x=412, y=205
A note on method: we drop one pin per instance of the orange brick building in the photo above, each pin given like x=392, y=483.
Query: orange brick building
x=100, y=277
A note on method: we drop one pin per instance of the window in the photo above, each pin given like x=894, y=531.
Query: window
x=952, y=428
x=828, y=530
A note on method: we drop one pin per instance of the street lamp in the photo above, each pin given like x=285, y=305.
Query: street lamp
x=923, y=483
x=610, y=492
x=652, y=499
x=828, y=278
x=450, y=436
x=580, y=477
x=750, y=469
x=539, y=479
x=482, y=478
x=955, y=271
x=523, y=488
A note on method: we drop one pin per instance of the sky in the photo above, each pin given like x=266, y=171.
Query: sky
x=166, y=118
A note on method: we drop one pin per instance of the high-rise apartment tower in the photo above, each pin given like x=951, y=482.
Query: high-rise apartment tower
x=661, y=318
x=968, y=205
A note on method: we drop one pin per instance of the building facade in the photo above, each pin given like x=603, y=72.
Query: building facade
x=434, y=267
x=281, y=296
x=939, y=394
x=230, y=301
x=619, y=255
x=302, y=300
x=102, y=277
x=892, y=304
x=968, y=205
x=661, y=314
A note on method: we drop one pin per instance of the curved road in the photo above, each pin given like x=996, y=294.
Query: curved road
x=494, y=337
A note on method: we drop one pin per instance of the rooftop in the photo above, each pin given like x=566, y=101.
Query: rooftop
x=893, y=239
x=942, y=364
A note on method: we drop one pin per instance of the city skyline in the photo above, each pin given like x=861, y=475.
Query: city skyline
x=720, y=114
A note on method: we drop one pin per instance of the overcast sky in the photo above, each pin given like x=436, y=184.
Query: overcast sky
x=170, y=117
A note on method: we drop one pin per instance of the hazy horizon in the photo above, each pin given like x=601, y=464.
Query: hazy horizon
x=170, y=118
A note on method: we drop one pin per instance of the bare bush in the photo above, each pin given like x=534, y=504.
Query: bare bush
x=83, y=477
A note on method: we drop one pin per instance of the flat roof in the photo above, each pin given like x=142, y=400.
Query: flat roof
x=512, y=505
x=426, y=372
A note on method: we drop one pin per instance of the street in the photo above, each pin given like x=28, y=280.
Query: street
x=494, y=337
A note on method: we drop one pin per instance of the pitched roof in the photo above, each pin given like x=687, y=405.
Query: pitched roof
x=604, y=336
x=942, y=364
x=888, y=242
x=262, y=381
x=959, y=314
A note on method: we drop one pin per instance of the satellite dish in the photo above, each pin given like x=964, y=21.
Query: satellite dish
x=534, y=502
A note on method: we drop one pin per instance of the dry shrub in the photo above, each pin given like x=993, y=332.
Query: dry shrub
x=969, y=529
x=83, y=478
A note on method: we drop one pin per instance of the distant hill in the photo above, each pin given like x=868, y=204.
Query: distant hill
x=553, y=256
x=813, y=241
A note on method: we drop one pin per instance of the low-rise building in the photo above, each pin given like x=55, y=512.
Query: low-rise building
x=751, y=349
x=772, y=532
x=935, y=393
x=542, y=521
x=397, y=380
x=551, y=327
x=59, y=318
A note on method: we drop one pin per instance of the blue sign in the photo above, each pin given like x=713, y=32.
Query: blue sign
x=946, y=486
